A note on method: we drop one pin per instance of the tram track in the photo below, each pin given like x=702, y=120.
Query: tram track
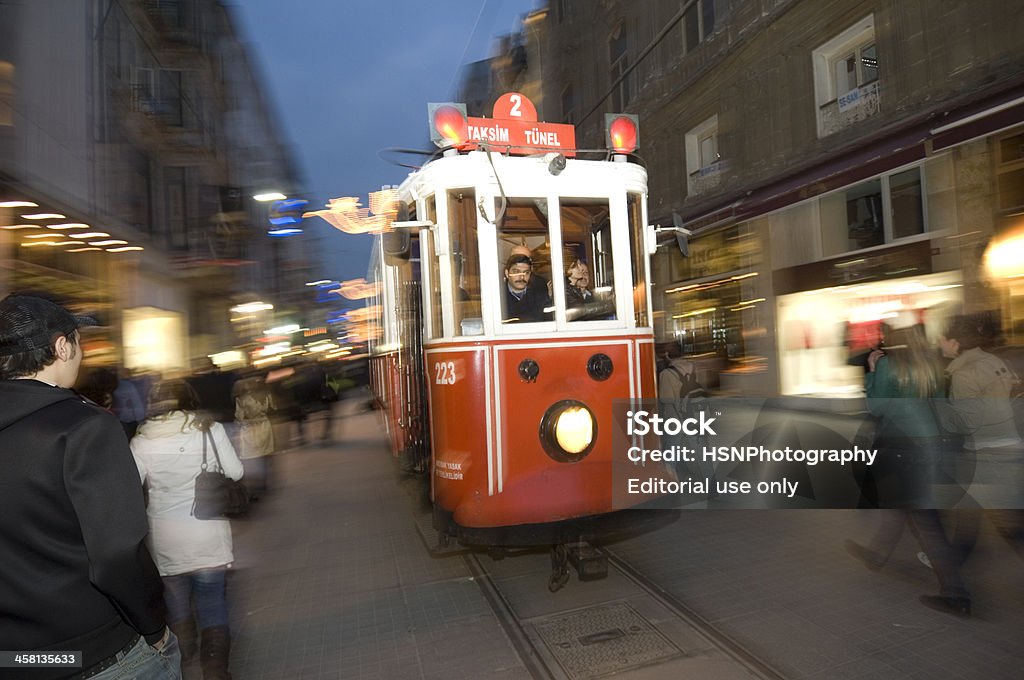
x=539, y=661
x=509, y=620
x=708, y=630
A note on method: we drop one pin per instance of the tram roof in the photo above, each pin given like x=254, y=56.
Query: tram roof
x=525, y=175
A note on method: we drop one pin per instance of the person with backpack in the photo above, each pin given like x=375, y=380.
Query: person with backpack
x=682, y=396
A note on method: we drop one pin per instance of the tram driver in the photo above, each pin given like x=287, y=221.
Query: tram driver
x=526, y=296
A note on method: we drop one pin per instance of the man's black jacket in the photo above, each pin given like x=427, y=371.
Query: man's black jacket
x=75, y=573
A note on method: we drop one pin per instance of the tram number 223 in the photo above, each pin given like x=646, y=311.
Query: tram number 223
x=444, y=372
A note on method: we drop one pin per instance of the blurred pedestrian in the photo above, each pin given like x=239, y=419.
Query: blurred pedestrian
x=76, y=574
x=253, y=405
x=193, y=555
x=128, y=404
x=98, y=385
x=901, y=382
x=682, y=396
x=991, y=465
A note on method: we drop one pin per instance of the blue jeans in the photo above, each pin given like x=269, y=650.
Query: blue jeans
x=209, y=589
x=142, y=662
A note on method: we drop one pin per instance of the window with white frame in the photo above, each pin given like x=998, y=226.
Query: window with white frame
x=702, y=156
x=698, y=23
x=846, y=77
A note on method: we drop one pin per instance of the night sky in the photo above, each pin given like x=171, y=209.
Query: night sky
x=349, y=79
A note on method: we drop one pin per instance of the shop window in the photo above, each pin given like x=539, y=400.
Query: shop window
x=846, y=78
x=465, y=261
x=588, y=282
x=524, y=260
x=702, y=157
x=618, y=65
x=698, y=24
x=873, y=213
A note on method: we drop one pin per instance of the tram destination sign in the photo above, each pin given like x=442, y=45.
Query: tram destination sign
x=513, y=128
x=523, y=137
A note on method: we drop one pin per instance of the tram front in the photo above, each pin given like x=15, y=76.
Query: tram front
x=536, y=322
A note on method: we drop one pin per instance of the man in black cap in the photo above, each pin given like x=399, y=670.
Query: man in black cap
x=76, y=575
x=526, y=295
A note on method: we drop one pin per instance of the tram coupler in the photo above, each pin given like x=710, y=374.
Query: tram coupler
x=590, y=565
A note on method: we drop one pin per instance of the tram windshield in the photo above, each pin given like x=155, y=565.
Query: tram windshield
x=588, y=284
x=532, y=280
x=524, y=253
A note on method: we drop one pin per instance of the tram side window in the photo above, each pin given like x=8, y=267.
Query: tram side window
x=465, y=253
x=524, y=252
x=436, y=326
x=587, y=253
x=637, y=258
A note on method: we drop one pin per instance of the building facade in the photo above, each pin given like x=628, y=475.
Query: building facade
x=142, y=125
x=836, y=163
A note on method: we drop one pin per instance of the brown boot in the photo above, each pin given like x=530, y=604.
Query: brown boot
x=186, y=634
x=213, y=656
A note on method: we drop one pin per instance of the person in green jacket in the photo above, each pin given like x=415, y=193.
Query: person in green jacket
x=901, y=382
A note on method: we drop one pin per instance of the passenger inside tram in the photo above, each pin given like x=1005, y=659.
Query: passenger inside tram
x=526, y=295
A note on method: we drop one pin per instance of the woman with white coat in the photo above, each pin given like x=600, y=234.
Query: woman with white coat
x=193, y=555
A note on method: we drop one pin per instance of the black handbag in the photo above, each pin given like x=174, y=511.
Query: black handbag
x=217, y=495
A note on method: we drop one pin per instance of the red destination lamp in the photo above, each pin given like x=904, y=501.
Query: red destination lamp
x=622, y=132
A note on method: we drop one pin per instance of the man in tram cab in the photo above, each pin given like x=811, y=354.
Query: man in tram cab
x=526, y=296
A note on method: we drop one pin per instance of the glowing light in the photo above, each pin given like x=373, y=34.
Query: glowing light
x=283, y=330
x=574, y=429
x=346, y=214
x=622, y=134
x=81, y=250
x=68, y=225
x=250, y=307
x=44, y=216
x=285, y=231
x=696, y=312
x=451, y=124
x=20, y=226
x=270, y=196
x=43, y=235
x=90, y=234
x=18, y=204
x=111, y=242
x=52, y=243
x=1004, y=258
x=357, y=289
x=124, y=249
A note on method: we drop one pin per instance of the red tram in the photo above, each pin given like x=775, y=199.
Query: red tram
x=514, y=310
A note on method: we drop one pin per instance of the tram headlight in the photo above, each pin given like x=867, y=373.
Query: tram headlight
x=568, y=431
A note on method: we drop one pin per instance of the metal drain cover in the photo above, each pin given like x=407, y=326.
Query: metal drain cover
x=601, y=640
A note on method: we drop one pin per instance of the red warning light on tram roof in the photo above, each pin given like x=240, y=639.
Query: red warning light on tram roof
x=622, y=132
x=448, y=124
